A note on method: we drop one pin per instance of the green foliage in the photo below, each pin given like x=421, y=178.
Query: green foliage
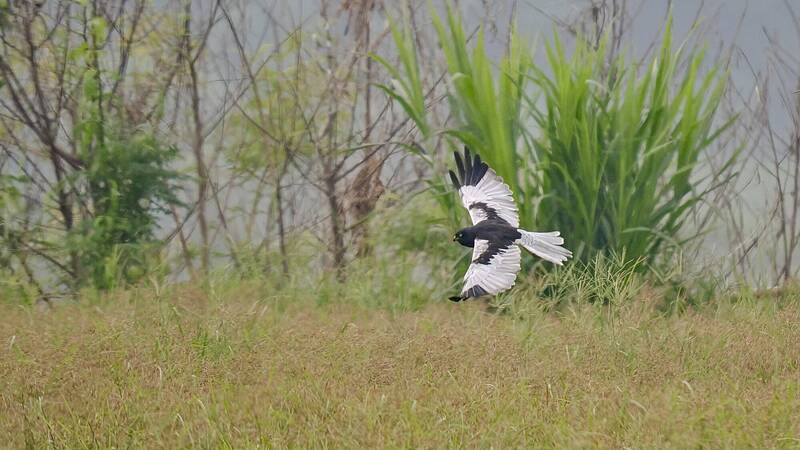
x=89, y=221
x=132, y=179
x=128, y=177
x=614, y=161
x=605, y=280
x=488, y=107
x=412, y=263
x=131, y=182
x=618, y=156
x=270, y=121
x=12, y=236
x=407, y=90
x=4, y=7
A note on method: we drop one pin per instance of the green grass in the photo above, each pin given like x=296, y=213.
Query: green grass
x=242, y=365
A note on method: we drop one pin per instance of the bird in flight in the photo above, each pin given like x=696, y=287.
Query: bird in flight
x=495, y=236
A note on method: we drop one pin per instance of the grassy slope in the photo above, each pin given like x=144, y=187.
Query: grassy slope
x=189, y=371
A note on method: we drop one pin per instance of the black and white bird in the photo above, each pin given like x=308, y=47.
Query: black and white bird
x=495, y=236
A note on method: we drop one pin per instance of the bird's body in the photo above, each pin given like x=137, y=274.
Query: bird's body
x=495, y=236
x=489, y=230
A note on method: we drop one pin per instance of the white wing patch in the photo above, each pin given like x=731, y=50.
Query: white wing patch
x=492, y=193
x=497, y=276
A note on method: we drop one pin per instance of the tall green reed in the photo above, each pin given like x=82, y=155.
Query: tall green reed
x=487, y=104
x=606, y=150
x=619, y=150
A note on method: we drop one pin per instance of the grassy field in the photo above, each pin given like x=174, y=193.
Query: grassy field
x=189, y=368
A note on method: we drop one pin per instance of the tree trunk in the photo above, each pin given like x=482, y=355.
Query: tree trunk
x=281, y=219
x=197, y=146
x=337, y=229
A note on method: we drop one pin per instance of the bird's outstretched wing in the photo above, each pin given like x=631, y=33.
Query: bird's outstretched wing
x=493, y=269
x=482, y=191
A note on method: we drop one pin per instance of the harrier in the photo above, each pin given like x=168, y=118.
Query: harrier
x=495, y=235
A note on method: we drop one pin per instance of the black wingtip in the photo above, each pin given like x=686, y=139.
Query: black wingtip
x=460, y=166
x=454, y=179
x=455, y=299
x=468, y=167
x=476, y=291
x=480, y=172
x=471, y=169
x=477, y=166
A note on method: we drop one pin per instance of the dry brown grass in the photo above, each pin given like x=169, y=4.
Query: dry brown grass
x=242, y=371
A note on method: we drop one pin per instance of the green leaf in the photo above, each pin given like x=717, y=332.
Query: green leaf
x=97, y=26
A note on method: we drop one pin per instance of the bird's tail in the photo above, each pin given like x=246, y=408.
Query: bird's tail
x=545, y=245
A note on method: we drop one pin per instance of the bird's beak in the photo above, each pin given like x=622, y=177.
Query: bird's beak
x=454, y=238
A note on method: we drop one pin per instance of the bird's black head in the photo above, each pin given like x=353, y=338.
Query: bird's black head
x=465, y=237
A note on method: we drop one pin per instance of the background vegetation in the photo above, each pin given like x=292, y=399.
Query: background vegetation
x=173, y=141
x=227, y=224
